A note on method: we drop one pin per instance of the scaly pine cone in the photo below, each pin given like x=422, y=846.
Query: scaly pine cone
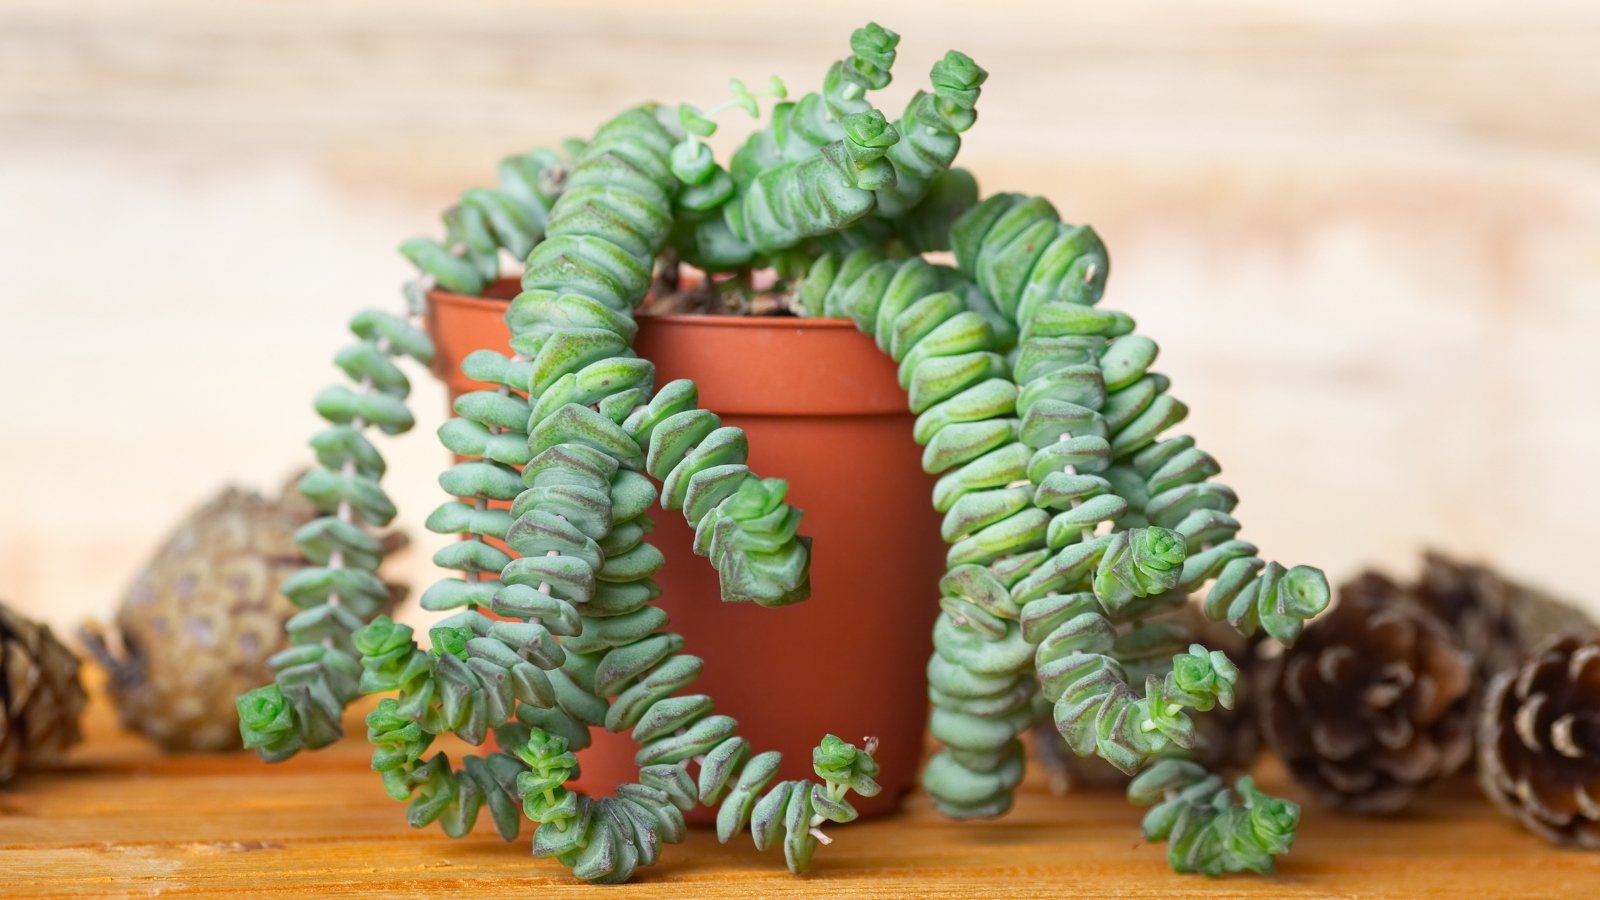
x=1498, y=621
x=1539, y=733
x=40, y=696
x=198, y=625
x=1373, y=703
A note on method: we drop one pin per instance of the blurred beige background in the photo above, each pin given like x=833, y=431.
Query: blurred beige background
x=1367, y=235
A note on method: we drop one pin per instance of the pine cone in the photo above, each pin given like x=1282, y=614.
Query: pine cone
x=1499, y=622
x=1373, y=703
x=1539, y=733
x=40, y=696
x=199, y=623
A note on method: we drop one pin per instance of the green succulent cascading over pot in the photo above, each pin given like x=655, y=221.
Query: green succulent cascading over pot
x=1070, y=518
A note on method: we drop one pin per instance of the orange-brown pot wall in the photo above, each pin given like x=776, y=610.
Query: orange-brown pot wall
x=823, y=410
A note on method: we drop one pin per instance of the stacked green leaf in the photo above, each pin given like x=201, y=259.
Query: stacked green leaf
x=579, y=286
x=800, y=129
x=440, y=691
x=489, y=435
x=1208, y=828
x=960, y=385
x=589, y=435
x=930, y=131
x=488, y=224
x=1052, y=568
x=1136, y=524
x=320, y=674
x=831, y=168
x=606, y=839
x=1023, y=256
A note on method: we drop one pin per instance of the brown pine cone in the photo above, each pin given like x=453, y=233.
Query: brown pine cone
x=1539, y=730
x=1498, y=621
x=1373, y=703
x=40, y=695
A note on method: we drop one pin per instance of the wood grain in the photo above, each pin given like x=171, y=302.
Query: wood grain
x=121, y=819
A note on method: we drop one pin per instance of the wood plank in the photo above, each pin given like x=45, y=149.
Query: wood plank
x=123, y=819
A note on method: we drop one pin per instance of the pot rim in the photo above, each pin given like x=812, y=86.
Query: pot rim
x=488, y=303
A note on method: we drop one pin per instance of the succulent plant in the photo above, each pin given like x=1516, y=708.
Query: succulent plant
x=1070, y=517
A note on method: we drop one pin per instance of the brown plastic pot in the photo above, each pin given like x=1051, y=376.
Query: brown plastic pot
x=823, y=410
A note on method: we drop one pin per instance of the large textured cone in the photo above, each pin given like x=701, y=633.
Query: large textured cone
x=41, y=698
x=1539, y=730
x=1497, y=620
x=200, y=621
x=1373, y=703
x=1229, y=739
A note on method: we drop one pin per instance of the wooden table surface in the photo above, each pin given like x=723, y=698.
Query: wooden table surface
x=123, y=819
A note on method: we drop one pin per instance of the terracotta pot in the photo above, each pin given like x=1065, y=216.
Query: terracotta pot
x=823, y=410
